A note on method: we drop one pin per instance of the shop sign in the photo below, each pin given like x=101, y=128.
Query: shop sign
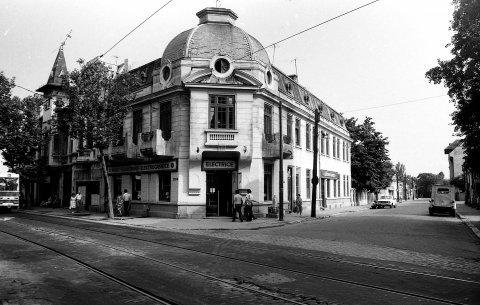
x=219, y=165
x=167, y=166
x=329, y=174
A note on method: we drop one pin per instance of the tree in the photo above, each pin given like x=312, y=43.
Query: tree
x=458, y=182
x=371, y=166
x=399, y=175
x=21, y=133
x=426, y=180
x=98, y=101
x=461, y=75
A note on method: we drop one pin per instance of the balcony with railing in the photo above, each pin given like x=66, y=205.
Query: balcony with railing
x=223, y=138
x=271, y=146
x=157, y=143
x=118, y=150
x=85, y=155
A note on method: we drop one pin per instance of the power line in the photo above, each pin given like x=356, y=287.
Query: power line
x=134, y=29
x=25, y=89
x=312, y=27
x=395, y=104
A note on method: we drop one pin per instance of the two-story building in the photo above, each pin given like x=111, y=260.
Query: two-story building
x=206, y=122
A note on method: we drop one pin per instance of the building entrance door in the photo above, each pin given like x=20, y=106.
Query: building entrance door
x=219, y=193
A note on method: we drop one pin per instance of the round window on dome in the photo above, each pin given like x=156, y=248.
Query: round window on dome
x=269, y=77
x=222, y=65
x=166, y=74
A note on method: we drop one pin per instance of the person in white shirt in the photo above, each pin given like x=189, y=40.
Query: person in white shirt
x=78, y=201
x=126, y=203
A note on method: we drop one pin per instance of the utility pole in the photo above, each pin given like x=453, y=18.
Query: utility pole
x=280, y=178
x=413, y=190
x=315, y=156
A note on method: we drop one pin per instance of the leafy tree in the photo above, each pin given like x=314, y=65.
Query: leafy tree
x=98, y=101
x=371, y=166
x=458, y=182
x=426, y=180
x=399, y=175
x=461, y=75
x=21, y=132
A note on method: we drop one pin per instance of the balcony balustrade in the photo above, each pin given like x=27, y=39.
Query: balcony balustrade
x=154, y=143
x=224, y=138
x=271, y=146
x=86, y=155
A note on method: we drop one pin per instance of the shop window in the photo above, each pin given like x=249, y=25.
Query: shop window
x=308, y=136
x=297, y=132
x=222, y=112
x=164, y=186
x=137, y=187
x=267, y=121
x=137, y=124
x=166, y=120
x=267, y=181
x=308, y=183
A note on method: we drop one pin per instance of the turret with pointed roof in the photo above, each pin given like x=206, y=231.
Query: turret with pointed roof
x=55, y=78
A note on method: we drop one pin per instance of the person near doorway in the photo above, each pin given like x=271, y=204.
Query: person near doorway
x=248, y=206
x=78, y=201
x=298, y=205
x=126, y=203
x=119, y=205
x=237, y=206
x=72, y=202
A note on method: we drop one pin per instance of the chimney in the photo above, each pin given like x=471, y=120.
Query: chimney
x=216, y=15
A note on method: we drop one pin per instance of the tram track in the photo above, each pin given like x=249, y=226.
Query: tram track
x=269, y=266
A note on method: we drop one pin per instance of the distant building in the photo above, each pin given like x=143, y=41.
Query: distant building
x=206, y=122
x=455, y=154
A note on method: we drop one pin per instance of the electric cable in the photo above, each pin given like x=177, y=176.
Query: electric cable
x=395, y=104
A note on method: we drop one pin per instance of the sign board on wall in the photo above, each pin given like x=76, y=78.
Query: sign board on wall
x=168, y=166
x=329, y=174
x=219, y=165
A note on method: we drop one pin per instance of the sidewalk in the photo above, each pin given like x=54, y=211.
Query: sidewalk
x=210, y=223
x=469, y=216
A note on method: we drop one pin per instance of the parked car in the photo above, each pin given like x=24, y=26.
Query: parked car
x=384, y=201
x=443, y=200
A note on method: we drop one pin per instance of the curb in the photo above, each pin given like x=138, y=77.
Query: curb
x=465, y=220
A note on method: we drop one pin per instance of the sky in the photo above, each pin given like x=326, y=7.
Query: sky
x=369, y=63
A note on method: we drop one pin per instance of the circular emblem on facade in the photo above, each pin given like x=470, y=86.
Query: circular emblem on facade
x=165, y=74
x=222, y=66
x=268, y=77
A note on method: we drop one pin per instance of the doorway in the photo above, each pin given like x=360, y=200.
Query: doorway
x=219, y=193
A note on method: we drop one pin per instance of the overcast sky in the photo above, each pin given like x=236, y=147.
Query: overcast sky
x=360, y=64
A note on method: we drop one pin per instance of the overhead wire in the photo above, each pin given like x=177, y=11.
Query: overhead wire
x=395, y=104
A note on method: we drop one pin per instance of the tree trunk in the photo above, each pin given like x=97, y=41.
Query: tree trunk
x=107, y=181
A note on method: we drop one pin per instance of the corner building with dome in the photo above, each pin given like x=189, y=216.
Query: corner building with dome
x=205, y=122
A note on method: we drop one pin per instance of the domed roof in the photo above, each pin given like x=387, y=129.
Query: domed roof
x=216, y=34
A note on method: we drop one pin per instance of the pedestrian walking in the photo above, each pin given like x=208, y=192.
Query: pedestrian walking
x=72, y=202
x=126, y=203
x=298, y=205
x=249, y=205
x=78, y=202
x=237, y=206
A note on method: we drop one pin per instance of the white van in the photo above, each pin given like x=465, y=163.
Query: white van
x=443, y=200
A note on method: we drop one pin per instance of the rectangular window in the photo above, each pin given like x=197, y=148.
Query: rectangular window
x=348, y=185
x=137, y=124
x=46, y=104
x=334, y=188
x=308, y=136
x=137, y=187
x=339, y=187
x=267, y=181
x=327, y=145
x=327, y=182
x=267, y=121
x=297, y=132
x=338, y=148
x=344, y=185
x=166, y=120
x=222, y=112
x=164, y=186
x=289, y=127
x=334, y=147
x=308, y=183
x=322, y=141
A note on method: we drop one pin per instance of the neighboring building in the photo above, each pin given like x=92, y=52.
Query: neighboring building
x=455, y=154
x=205, y=122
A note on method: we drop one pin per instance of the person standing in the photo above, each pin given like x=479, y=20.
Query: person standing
x=248, y=206
x=298, y=203
x=126, y=203
x=78, y=201
x=72, y=202
x=237, y=206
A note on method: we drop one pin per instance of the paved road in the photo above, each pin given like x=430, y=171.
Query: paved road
x=397, y=256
